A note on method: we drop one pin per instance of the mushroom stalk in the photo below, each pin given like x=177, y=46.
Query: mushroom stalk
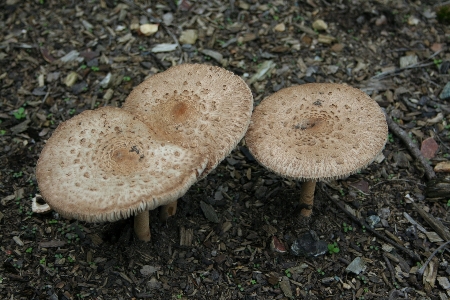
x=307, y=197
x=168, y=210
x=142, y=226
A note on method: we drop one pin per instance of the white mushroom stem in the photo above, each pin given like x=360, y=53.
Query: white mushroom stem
x=142, y=226
x=39, y=208
x=168, y=210
x=307, y=197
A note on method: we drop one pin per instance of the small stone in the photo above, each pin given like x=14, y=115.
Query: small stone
x=189, y=36
x=148, y=270
x=443, y=282
x=437, y=47
x=280, y=27
x=337, y=47
x=445, y=94
x=71, y=78
x=429, y=148
x=412, y=20
x=320, y=25
x=108, y=95
x=308, y=245
x=409, y=60
x=209, y=212
x=148, y=29
x=356, y=266
x=443, y=166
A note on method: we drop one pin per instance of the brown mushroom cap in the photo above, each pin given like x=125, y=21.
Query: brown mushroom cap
x=317, y=131
x=202, y=107
x=105, y=165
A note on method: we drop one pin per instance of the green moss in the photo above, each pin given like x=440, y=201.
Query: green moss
x=443, y=14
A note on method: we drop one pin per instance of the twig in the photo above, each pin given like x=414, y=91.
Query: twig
x=416, y=65
x=362, y=223
x=440, y=140
x=394, y=128
x=433, y=222
x=424, y=266
x=391, y=269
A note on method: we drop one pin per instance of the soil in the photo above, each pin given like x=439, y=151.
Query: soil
x=55, y=58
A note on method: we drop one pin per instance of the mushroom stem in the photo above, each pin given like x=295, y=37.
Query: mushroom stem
x=168, y=210
x=307, y=197
x=142, y=226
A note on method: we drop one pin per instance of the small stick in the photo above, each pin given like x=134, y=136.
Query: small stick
x=394, y=128
x=424, y=266
x=433, y=222
x=391, y=269
x=168, y=210
x=371, y=230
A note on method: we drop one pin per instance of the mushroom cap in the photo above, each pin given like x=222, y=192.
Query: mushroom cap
x=201, y=107
x=317, y=131
x=105, y=165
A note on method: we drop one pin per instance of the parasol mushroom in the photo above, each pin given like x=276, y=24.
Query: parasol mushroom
x=200, y=107
x=316, y=131
x=105, y=165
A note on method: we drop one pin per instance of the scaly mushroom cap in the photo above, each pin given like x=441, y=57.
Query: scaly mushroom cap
x=201, y=107
x=317, y=131
x=105, y=165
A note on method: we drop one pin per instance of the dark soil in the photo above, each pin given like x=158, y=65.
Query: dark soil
x=44, y=256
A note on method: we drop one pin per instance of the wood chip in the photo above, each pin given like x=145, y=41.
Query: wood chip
x=52, y=244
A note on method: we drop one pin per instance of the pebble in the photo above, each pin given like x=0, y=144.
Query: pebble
x=167, y=18
x=445, y=94
x=307, y=245
x=412, y=20
x=337, y=47
x=148, y=29
x=280, y=27
x=443, y=166
x=356, y=266
x=189, y=36
x=444, y=283
x=71, y=78
x=409, y=60
x=320, y=25
x=148, y=270
x=429, y=148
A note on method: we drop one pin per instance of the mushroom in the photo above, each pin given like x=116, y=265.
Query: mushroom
x=200, y=107
x=105, y=165
x=316, y=131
